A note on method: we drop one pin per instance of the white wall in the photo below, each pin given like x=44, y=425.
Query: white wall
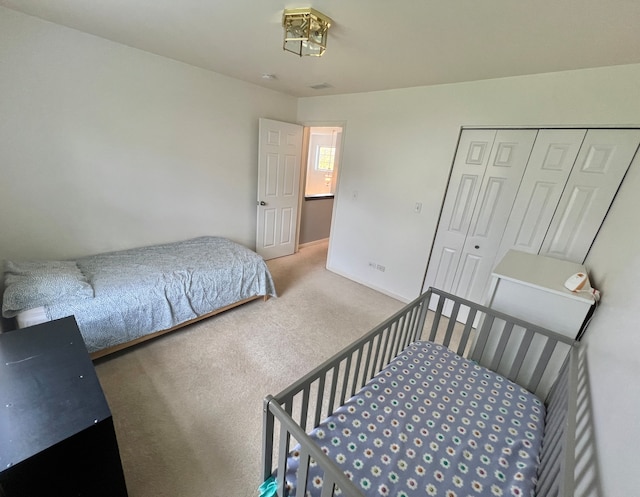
x=103, y=146
x=315, y=219
x=613, y=340
x=398, y=150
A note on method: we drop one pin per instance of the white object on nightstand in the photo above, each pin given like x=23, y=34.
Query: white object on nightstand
x=532, y=287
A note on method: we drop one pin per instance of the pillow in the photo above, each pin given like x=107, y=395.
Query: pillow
x=30, y=284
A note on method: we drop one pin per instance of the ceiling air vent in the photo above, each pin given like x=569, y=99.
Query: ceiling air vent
x=321, y=86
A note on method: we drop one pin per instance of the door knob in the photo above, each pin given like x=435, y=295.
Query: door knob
x=262, y=202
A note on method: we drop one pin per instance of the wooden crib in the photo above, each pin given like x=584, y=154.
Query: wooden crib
x=541, y=361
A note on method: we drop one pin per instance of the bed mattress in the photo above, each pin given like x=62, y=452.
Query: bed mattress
x=31, y=317
x=433, y=423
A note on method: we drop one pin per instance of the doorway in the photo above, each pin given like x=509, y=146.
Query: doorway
x=295, y=208
x=320, y=169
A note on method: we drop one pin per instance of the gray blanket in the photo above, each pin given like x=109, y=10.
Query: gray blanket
x=141, y=291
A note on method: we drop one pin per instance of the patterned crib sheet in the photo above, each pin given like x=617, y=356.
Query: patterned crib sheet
x=433, y=424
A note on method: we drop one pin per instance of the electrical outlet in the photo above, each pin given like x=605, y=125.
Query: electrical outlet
x=379, y=267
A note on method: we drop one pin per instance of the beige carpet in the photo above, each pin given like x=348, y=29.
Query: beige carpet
x=188, y=406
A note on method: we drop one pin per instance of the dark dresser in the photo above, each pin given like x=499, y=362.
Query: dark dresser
x=56, y=430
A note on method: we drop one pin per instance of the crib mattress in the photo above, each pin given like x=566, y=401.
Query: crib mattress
x=433, y=423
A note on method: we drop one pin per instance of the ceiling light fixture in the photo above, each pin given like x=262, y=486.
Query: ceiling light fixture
x=305, y=31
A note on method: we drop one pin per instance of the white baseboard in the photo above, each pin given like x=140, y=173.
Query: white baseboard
x=369, y=285
x=315, y=242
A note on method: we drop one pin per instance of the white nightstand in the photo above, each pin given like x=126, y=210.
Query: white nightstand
x=531, y=287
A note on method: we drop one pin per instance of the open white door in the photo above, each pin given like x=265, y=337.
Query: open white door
x=279, y=159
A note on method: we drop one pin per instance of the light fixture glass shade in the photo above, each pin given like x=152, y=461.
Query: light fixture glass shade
x=305, y=31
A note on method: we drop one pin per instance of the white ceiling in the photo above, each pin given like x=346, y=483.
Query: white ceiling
x=373, y=44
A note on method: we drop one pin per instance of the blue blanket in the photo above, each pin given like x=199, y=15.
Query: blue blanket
x=144, y=290
x=433, y=423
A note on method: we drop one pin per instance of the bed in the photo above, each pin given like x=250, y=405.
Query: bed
x=122, y=298
x=426, y=405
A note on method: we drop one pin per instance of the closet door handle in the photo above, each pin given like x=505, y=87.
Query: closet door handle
x=477, y=247
x=262, y=202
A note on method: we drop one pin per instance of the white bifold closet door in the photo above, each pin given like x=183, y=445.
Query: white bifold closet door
x=552, y=158
x=541, y=191
x=483, y=186
x=603, y=161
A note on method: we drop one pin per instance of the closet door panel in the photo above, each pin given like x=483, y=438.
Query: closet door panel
x=600, y=167
x=552, y=158
x=509, y=157
x=470, y=163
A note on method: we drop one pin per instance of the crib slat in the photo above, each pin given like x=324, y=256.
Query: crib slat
x=327, y=487
x=304, y=408
x=411, y=327
x=452, y=322
x=365, y=374
x=548, y=484
x=320, y=398
x=376, y=355
x=478, y=350
x=303, y=472
x=397, y=335
x=384, y=348
x=393, y=338
x=554, y=407
x=521, y=354
x=547, y=352
x=283, y=451
x=422, y=316
x=334, y=386
x=345, y=383
x=267, y=439
x=553, y=430
x=404, y=333
x=436, y=319
x=554, y=435
x=502, y=345
x=415, y=331
x=569, y=443
x=466, y=333
x=356, y=374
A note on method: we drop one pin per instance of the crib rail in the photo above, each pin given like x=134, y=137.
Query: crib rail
x=556, y=473
x=527, y=354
